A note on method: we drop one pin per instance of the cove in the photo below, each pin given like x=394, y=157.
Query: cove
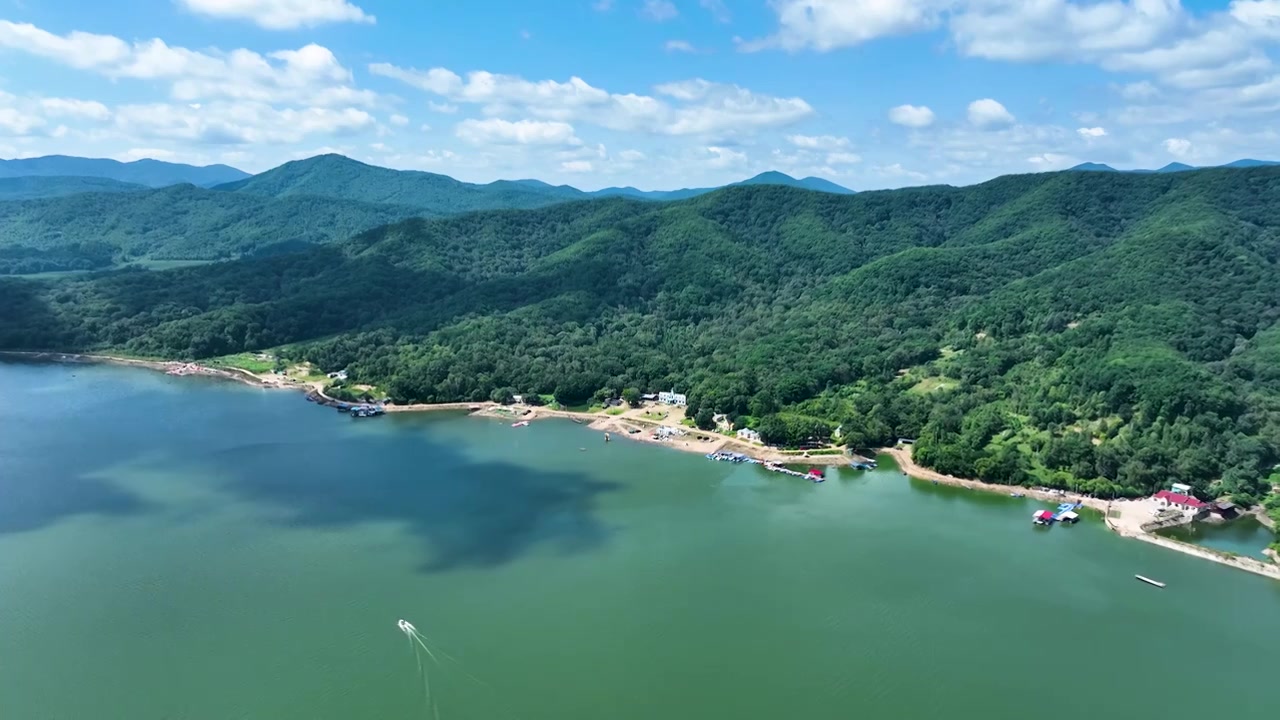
x=185, y=548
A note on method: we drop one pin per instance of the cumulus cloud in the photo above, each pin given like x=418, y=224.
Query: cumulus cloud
x=280, y=14
x=987, y=113
x=576, y=166
x=1178, y=147
x=398, y=120
x=1052, y=161
x=1091, y=132
x=237, y=123
x=829, y=24
x=912, y=116
x=309, y=75
x=722, y=157
x=691, y=107
x=520, y=132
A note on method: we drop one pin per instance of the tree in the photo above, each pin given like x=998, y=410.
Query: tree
x=705, y=419
x=632, y=396
x=503, y=395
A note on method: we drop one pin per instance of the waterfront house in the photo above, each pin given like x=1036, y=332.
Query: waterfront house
x=651, y=397
x=673, y=398
x=1179, y=501
x=749, y=435
x=340, y=375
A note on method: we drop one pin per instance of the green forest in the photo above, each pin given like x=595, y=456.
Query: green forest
x=1103, y=332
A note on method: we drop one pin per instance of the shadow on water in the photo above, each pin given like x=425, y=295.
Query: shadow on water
x=466, y=513
x=25, y=508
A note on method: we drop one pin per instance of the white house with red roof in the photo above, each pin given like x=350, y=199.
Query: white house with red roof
x=1180, y=501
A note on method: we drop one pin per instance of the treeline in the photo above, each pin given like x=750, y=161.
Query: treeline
x=1108, y=333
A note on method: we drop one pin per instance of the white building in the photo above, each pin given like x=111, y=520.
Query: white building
x=749, y=435
x=673, y=398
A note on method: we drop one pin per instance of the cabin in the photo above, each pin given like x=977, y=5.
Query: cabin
x=749, y=435
x=649, y=397
x=517, y=399
x=673, y=398
x=1179, y=501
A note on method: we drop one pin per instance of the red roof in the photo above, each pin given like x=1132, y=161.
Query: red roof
x=1179, y=499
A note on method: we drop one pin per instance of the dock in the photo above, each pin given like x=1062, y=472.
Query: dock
x=1149, y=581
x=1067, y=513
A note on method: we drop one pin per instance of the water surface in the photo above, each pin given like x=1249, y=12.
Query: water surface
x=184, y=548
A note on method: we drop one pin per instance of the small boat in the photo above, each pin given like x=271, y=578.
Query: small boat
x=576, y=420
x=522, y=423
x=1149, y=581
x=1016, y=495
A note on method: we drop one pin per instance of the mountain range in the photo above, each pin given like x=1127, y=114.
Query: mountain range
x=1106, y=333
x=1174, y=166
x=147, y=172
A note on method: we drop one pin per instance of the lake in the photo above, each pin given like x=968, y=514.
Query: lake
x=187, y=548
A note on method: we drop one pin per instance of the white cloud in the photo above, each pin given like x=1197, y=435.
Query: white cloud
x=1062, y=29
x=281, y=14
x=521, y=132
x=912, y=116
x=398, y=120
x=818, y=142
x=631, y=155
x=16, y=122
x=309, y=75
x=237, y=123
x=1091, y=132
x=69, y=107
x=1052, y=161
x=700, y=107
x=895, y=170
x=576, y=166
x=659, y=10
x=424, y=128
x=445, y=108
x=843, y=158
x=1142, y=90
x=683, y=46
x=723, y=158
x=824, y=25
x=717, y=9
x=987, y=113
x=1178, y=147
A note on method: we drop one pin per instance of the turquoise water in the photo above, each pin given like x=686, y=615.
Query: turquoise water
x=1245, y=536
x=183, y=548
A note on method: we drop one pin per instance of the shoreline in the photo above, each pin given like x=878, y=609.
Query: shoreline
x=714, y=442
x=903, y=457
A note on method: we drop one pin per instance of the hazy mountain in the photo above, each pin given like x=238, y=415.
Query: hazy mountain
x=771, y=177
x=152, y=173
x=1173, y=166
x=338, y=176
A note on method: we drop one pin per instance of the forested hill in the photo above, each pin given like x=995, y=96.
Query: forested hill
x=182, y=222
x=337, y=176
x=1105, y=332
x=37, y=186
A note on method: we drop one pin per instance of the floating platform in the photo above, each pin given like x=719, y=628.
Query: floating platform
x=1149, y=581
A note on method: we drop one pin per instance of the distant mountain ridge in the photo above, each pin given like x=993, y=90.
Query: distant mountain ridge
x=152, y=173
x=339, y=176
x=1174, y=166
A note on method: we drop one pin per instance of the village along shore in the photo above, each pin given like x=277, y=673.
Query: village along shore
x=1127, y=518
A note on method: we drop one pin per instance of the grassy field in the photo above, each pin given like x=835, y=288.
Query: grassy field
x=245, y=361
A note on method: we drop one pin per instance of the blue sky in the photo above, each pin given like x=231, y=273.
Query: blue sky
x=651, y=93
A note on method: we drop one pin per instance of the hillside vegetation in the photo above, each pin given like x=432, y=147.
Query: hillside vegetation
x=183, y=222
x=37, y=186
x=1104, y=332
